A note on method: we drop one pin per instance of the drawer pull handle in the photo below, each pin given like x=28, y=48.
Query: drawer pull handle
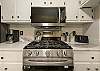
x=96, y=69
x=92, y=57
x=88, y=68
x=6, y=68
x=1, y=57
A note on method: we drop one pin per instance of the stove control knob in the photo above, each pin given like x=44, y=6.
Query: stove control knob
x=47, y=53
x=36, y=53
x=60, y=53
x=65, y=53
x=29, y=53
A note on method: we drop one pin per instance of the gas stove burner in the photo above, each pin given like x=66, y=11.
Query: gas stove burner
x=48, y=44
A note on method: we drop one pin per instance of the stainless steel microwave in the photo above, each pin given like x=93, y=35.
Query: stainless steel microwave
x=47, y=16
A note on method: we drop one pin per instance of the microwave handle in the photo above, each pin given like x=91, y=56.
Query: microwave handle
x=59, y=15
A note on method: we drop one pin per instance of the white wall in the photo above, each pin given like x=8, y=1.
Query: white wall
x=93, y=30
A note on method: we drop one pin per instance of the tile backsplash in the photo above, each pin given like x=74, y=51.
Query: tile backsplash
x=29, y=31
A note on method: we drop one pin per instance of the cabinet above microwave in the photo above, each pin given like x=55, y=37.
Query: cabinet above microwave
x=40, y=16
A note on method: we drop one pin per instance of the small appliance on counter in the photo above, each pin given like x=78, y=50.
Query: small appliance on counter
x=13, y=36
x=3, y=31
x=81, y=39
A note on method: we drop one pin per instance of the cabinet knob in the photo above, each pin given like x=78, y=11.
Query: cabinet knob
x=92, y=17
x=6, y=68
x=50, y=2
x=88, y=68
x=64, y=3
x=1, y=57
x=92, y=10
x=96, y=69
x=92, y=57
x=12, y=17
x=31, y=3
x=44, y=2
x=82, y=16
x=17, y=16
x=76, y=16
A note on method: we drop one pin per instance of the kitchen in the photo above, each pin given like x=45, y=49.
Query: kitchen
x=28, y=20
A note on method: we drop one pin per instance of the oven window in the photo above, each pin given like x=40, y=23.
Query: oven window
x=48, y=68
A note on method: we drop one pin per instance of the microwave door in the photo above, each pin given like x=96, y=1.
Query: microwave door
x=44, y=15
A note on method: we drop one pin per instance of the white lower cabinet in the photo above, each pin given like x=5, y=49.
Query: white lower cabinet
x=12, y=67
x=11, y=60
x=82, y=67
x=87, y=60
x=85, y=66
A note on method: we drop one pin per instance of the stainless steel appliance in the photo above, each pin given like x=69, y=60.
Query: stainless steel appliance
x=3, y=32
x=49, y=54
x=47, y=16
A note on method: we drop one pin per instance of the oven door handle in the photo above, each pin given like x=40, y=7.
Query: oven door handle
x=47, y=60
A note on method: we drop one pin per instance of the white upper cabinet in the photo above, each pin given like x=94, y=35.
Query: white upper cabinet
x=15, y=10
x=75, y=14
x=89, y=3
x=86, y=14
x=72, y=11
x=20, y=10
x=8, y=10
x=23, y=10
x=48, y=3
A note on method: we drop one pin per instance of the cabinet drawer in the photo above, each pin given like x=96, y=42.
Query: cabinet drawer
x=12, y=67
x=86, y=55
x=11, y=56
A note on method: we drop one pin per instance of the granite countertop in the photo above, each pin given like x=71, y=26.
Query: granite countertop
x=85, y=46
x=21, y=45
x=14, y=46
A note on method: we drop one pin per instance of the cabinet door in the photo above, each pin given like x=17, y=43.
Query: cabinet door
x=23, y=10
x=72, y=10
x=11, y=56
x=82, y=67
x=12, y=67
x=86, y=14
x=8, y=10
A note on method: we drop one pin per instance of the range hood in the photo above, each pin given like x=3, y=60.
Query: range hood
x=47, y=16
x=48, y=28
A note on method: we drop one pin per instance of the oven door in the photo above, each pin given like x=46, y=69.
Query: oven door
x=48, y=68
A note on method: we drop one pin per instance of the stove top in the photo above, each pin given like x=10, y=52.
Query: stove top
x=48, y=44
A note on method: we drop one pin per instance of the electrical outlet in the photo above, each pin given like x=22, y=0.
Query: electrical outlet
x=21, y=32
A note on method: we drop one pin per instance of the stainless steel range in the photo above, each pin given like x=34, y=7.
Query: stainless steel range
x=48, y=53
